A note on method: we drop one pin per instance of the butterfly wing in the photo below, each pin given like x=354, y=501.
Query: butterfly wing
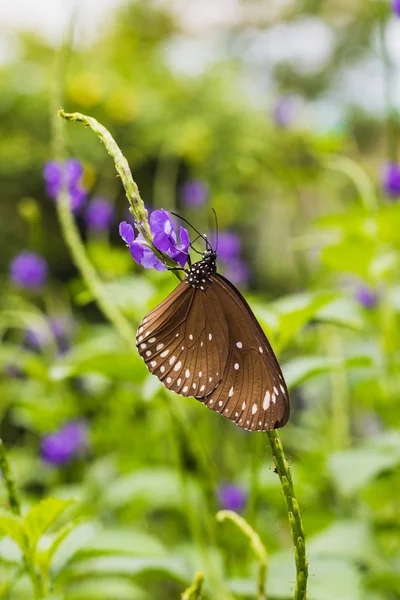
x=184, y=342
x=252, y=392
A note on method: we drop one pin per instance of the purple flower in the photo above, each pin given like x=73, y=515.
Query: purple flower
x=285, y=111
x=99, y=214
x=28, y=270
x=237, y=271
x=396, y=7
x=194, y=193
x=73, y=171
x=391, y=179
x=59, y=328
x=165, y=240
x=365, y=296
x=62, y=446
x=229, y=247
x=232, y=497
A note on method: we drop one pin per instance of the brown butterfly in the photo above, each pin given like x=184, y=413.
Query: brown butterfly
x=204, y=341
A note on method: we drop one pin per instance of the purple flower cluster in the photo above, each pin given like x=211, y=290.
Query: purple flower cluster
x=391, y=179
x=229, y=248
x=396, y=7
x=28, y=270
x=62, y=446
x=194, y=193
x=165, y=239
x=72, y=170
x=232, y=497
x=99, y=214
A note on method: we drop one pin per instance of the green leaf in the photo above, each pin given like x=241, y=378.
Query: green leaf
x=342, y=311
x=353, y=255
x=122, y=542
x=353, y=469
x=296, y=311
x=130, y=566
x=71, y=544
x=12, y=526
x=300, y=369
x=111, y=587
x=143, y=486
x=42, y=516
x=349, y=539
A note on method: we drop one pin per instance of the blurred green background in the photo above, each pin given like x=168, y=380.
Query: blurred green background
x=283, y=116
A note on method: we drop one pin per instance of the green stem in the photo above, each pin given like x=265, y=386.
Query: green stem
x=352, y=169
x=12, y=493
x=194, y=591
x=256, y=544
x=15, y=507
x=137, y=207
x=295, y=519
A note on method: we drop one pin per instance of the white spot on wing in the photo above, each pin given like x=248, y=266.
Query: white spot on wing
x=162, y=369
x=273, y=398
x=254, y=409
x=143, y=346
x=220, y=403
x=236, y=366
x=153, y=363
x=190, y=337
x=276, y=390
x=187, y=373
x=164, y=354
x=239, y=344
x=172, y=359
x=282, y=388
x=148, y=352
x=177, y=366
x=169, y=379
x=260, y=350
x=152, y=340
x=203, y=387
x=267, y=400
x=210, y=336
x=179, y=381
x=243, y=405
x=185, y=389
x=159, y=346
x=230, y=392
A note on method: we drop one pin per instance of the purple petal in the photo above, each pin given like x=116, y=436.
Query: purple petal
x=184, y=240
x=194, y=192
x=161, y=222
x=126, y=232
x=151, y=261
x=163, y=242
x=137, y=252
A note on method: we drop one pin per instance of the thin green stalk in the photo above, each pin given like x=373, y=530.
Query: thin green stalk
x=12, y=493
x=137, y=207
x=15, y=507
x=295, y=520
x=194, y=591
x=256, y=544
x=359, y=177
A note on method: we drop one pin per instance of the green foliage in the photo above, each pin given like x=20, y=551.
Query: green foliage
x=314, y=227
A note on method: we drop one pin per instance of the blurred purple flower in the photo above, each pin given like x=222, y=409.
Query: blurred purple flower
x=365, y=296
x=396, y=7
x=28, y=270
x=391, y=179
x=232, y=497
x=165, y=240
x=62, y=446
x=285, y=111
x=61, y=327
x=229, y=247
x=194, y=192
x=99, y=214
x=237, y=271
x=73, y=171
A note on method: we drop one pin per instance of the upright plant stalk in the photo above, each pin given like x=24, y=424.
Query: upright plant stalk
x=295, y=520
x=140, y=214
x=194, y=591
x=15, y=507
x=12, y=493
x=256, y=544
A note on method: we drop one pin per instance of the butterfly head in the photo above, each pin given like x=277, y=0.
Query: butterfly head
x=200, y=272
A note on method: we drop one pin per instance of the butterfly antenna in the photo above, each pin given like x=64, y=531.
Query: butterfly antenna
x=216, y=227
x=204, y=237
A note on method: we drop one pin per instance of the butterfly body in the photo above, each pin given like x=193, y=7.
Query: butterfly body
x=204, y=341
